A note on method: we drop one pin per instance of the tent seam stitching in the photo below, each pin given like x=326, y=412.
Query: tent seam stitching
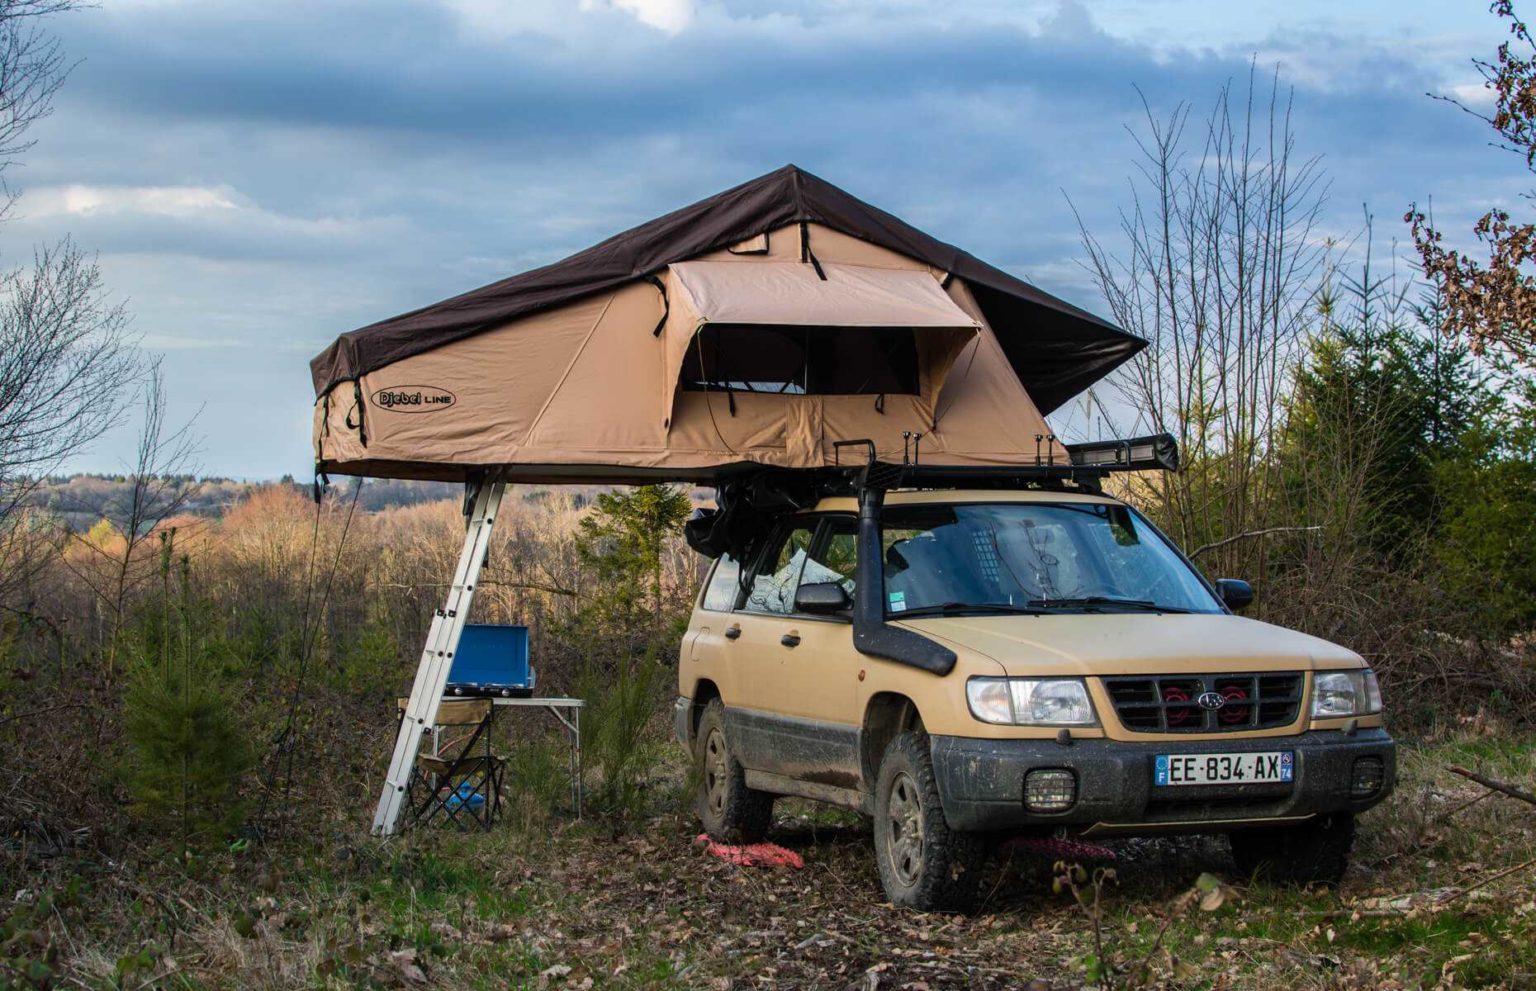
x=528, y=434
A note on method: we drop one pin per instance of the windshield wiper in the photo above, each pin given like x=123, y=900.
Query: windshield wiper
x=961, y=608
x=1089, y=601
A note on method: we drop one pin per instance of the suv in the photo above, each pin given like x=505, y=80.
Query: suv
x=964, y=665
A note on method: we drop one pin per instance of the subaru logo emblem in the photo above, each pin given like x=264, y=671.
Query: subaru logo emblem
x=1211, y=700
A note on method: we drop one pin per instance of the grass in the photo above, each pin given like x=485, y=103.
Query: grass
x=546, y=903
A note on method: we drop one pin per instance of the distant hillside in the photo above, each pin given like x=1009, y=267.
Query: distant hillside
x=81, y=500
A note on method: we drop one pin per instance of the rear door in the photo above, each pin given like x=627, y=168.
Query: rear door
x=797, y=716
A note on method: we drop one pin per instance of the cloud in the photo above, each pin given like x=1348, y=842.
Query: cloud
x=671, y=16
x=276, y=174
x=1479, y=94
x=165, y=201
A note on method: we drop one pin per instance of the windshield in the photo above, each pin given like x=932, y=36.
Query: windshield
x=1032, y=557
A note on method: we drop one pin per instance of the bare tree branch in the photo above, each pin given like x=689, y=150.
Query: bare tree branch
x=1248, y=535
x=1216, y=260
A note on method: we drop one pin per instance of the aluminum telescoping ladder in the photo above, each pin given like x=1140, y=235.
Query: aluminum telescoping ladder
x=437, y=658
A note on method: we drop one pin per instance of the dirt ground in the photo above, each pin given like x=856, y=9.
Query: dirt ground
x=1432, y=900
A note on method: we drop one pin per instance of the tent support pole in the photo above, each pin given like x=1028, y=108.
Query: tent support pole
x=437, y=658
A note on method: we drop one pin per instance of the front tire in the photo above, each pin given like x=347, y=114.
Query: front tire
x=923, y=863
x=1315, y=852
x=731, y=812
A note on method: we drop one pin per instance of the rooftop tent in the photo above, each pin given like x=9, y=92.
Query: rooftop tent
x=756, y=327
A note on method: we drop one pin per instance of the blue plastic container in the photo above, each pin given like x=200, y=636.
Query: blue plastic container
x=491, y=660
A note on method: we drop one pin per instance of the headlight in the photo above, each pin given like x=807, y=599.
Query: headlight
x=1030, y=701
x=1345, y=693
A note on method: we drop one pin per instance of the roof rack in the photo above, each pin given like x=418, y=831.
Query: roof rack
x=1088, y=463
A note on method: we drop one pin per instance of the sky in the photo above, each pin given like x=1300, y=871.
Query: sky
x=257, y=178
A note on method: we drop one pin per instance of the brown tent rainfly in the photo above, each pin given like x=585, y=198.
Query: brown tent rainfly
x=756, y=327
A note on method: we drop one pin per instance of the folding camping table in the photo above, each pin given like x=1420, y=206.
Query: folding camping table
x=567, y=712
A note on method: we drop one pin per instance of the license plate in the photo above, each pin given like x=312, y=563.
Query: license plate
x=1224, y=769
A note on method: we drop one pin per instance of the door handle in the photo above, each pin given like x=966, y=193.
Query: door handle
x=790, y=640
x=732, y=632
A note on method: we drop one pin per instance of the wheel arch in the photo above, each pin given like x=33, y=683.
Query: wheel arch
x=704, y=691
x=886, y=715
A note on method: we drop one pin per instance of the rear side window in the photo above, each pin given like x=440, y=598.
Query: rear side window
x=814, y=551
x=724, y=586
x=773, y=587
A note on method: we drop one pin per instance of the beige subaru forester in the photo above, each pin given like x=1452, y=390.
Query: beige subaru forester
x=966, y=665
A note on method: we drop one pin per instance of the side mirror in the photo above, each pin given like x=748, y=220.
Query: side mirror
x=1236, y=593
x=821, y=597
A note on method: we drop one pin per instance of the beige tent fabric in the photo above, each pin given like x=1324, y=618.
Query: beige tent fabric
x=792, y=293
x=576, y=393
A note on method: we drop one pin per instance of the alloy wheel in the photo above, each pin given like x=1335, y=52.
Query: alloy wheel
x=904, y=832
x=715, y=771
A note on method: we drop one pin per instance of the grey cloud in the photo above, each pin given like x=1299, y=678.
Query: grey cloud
x=387, y=156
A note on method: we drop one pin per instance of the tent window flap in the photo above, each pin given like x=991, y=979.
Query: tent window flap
x=776, y=328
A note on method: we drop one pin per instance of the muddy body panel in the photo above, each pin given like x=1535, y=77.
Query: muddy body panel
x=982, y=783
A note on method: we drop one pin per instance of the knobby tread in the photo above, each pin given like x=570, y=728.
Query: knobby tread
x=748, y=812
x=1315, y=852
x=952, y=860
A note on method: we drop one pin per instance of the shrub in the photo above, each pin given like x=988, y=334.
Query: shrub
x=187, y=751
x=617, y=735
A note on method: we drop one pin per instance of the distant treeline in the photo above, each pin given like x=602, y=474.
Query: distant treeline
x=81, y=501
x=84, y=499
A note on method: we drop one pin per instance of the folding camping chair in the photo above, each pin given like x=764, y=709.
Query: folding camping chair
x=459, y=779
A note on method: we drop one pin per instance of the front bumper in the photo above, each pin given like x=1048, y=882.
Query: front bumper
x=981, y=783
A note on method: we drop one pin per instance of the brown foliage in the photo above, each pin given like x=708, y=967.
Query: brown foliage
x=1494, y=304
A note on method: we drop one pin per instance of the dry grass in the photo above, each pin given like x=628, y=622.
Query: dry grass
x=90, y=899
x=565, y=904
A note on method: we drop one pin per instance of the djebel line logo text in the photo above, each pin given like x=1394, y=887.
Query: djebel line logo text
x=413, y=399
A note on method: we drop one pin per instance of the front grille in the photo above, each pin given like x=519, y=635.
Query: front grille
x=1170, y=703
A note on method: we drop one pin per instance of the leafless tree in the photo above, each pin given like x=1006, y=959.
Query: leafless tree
x=64, y=366
x=32, y=68
x=1216, y=270
x=65, y=362
x=161, y=484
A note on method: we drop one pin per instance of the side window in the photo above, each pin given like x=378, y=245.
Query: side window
x=773, y=587
x=839, y=554
x=724, y=586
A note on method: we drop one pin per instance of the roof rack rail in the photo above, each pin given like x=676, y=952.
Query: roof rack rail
x=1088, y=463
x=751, y=496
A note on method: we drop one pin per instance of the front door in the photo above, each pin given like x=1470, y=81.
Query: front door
x=797, y=716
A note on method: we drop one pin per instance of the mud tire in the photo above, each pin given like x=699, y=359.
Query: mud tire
x=924, y=864
x=731, y=812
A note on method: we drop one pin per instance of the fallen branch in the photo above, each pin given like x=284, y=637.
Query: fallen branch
x=43, y=711
x=1496, y=785
x=1489, y=880
x=1247, y=534
x=1430, y=901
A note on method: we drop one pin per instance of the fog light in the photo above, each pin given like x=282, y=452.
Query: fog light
x=1370, y=772
x=1049, y=791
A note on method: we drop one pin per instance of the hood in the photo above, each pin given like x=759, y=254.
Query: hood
x=1086, y=644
